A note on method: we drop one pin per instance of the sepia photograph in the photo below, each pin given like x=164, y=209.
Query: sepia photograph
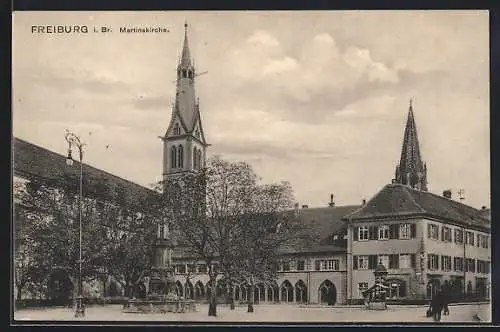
x=246, y=167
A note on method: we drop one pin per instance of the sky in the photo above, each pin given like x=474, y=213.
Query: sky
x=316, y=98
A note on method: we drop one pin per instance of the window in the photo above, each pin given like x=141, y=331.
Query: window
x=195, y=158
x=286, y=266
x=446, y=263
x=458, y=264
x=190, y=74
x=184, y=73
x=181, y=269
x=202, y=268
x=404, y=231
x=482, y=241
x=363, y=262
x=177, y=129
x=459, y=236
x=173, y=157
x=405, y=261
x=191, y=268
x=333, y=264
x=301, y=265
x=363, y=233
x=470, y=265
x=432, y=262
x=469, y=238
x=180, y=157
x=329, y=265
x=317, y=265
x=383, y=232
x=446, y=234
x=384, y=259
x=197, y=133
x=324, y=265
x=433, y=231
x=483, y=266
x=362, y=286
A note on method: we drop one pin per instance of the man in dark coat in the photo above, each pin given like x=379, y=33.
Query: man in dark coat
x=446, y=298
x=437, y=305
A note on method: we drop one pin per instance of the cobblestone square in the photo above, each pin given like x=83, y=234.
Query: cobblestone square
x=269, y=313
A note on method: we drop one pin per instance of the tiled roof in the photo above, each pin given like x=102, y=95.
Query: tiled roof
x=328, y=220
x=34, y=162
x=399, y=200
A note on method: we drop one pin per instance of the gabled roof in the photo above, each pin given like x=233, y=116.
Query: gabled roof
x=31, y=161
x=396, y=200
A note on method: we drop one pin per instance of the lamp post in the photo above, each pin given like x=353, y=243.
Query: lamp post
x=74, y=140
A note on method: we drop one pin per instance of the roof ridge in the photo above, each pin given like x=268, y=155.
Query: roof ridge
x=84, y=164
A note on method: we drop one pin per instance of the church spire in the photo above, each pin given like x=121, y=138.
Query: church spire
x=186, y=54
x=411, y=170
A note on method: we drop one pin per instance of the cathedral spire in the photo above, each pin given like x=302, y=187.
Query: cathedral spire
x=186, y=54
x=411, y=170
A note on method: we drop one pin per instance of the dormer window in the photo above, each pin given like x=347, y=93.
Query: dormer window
x=177, y=129
x=197, y=133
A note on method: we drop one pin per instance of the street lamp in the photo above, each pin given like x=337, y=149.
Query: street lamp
x=74, y=140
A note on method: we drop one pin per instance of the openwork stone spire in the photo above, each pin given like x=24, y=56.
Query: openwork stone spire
x=411, y=171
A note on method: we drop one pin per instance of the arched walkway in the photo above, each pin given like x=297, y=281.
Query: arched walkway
x=300, y=292
x=259, y=293
x=327, y=293
x=286, y=291
x=199, y=291
x=273, y=293
x=189, y=290
x=179, y=288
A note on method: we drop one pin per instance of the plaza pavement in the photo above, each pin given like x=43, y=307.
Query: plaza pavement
x=268, y=313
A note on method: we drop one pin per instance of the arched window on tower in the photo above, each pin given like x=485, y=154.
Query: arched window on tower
x=177, y=129
x=195, y=158
x=180, y=157
x=200, y=165
x=184, y=73
x=173, y=157
x=190, y=74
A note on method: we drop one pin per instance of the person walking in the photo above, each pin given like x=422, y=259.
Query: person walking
x=446, y=298
x=437, y=305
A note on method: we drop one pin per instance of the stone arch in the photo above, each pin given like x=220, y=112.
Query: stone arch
x=327, y=293
x=259, y=293
x=286, y=291
x=273, y=292
x=179, y=288
x=199, y=290
x=189, y=290
x=300, y=292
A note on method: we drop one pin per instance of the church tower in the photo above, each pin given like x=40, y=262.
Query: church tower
x=184, y=145
x=411, y=171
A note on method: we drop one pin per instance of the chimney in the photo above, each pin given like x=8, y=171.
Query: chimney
x=447, y=194
x=394, y=181
x=332, y=202
x=363, y=202
x=305, y=206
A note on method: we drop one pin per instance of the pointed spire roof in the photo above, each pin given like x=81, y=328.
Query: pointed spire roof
x=411, y=159
x=186, y=54
x=411, y=170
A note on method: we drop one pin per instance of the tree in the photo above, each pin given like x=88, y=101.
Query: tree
x=264, y=231
x=203, y=208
